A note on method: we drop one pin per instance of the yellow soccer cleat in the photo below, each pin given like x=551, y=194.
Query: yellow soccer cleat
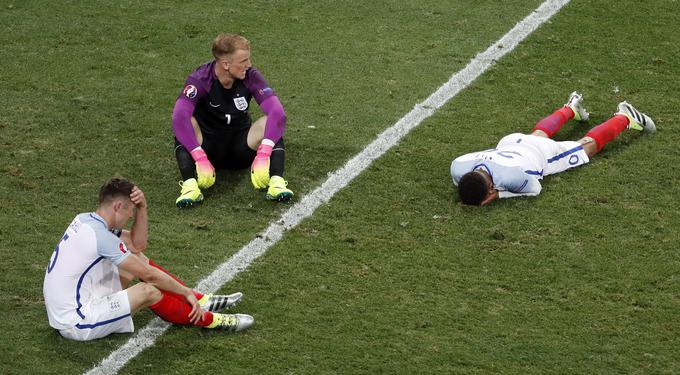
x=231, y=322
x=190, y=194
x=278, y=190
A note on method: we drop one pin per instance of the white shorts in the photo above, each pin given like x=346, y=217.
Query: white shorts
x=558, y=156
x=103, y=316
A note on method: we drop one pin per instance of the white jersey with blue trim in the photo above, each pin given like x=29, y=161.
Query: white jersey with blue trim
x=83, y=267
x=515, y=168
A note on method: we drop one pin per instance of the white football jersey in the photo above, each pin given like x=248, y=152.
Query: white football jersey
x=83, y=266
x=520, y=161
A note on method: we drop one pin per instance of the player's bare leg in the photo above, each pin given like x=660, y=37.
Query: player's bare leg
x=589, y=146
x=256, y=133
x=143, y=295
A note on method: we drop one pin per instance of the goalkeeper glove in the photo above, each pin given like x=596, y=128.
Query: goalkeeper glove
x=259, y=171
x=204, y=170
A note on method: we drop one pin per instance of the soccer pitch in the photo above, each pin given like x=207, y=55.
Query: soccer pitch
x=392, y=275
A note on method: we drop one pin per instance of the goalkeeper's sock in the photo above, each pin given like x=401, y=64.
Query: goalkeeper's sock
x=552, y=124
x=608, y=130
x=157, y=266
x=277, y=159
x=174, y=309
x=186, y=164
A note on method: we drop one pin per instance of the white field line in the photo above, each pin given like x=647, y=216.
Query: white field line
x=339, y=179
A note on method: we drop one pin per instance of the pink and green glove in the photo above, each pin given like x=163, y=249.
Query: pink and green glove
x=259, y=171
x=204, y=170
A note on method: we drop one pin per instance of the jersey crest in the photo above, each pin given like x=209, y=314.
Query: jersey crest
x=241, y=103
x=122, y=248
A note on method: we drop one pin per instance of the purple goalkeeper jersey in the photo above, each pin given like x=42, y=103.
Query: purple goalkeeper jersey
x=219, y=110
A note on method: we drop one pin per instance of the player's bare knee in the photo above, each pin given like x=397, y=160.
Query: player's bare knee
x=151, y=293
x=589, y=145
x=256, y=132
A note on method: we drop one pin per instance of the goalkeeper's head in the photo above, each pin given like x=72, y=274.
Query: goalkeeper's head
x=232, y=56
x=225, y=45
x=474, y=187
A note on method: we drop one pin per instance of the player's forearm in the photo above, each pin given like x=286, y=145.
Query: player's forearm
x=139, y=233
x=509, y=194
x=276, y=118
x=164, y=282
x=181, y=124
x=529, y=187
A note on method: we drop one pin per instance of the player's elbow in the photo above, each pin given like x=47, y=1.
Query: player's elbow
x=533, y=192
x=139, y=246
x=279, y=114
x=150, y=293
x=273, y=108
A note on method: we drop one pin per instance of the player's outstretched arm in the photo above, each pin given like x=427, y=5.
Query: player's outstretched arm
x=276, y=118
x=524, y=186
x=184, y=132
x=259, y=170
x=274, y=128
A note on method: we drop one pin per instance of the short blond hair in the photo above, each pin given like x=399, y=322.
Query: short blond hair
x=226, y=44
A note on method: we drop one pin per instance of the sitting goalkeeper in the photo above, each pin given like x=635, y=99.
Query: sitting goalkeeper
x=213, y=128
x=519, y=161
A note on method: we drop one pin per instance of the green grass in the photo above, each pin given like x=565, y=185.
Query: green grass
x=393, y=275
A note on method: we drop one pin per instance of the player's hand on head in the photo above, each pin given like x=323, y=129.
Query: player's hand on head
x=137, y=197
x=259, y=170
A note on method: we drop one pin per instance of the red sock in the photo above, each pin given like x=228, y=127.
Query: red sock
x=608, y=130
x=155, y=265
x=552, y=124
x=174, y=309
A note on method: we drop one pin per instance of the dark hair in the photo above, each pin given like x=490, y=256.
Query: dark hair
x=473, y=188
x=115, y=187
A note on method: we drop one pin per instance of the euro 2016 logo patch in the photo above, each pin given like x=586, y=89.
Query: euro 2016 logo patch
x=122, y=248
x=241, y=103
x=190, y=91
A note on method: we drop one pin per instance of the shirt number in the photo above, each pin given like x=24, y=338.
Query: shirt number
x=508, y=154
x=55, y=254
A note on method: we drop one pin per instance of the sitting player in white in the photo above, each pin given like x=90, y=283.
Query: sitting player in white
x=519, y=161
x=85, y=280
